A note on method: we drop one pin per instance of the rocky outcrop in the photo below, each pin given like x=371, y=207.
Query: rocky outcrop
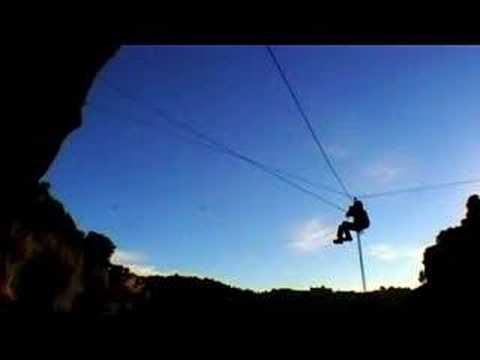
x=49, y=90
x=48, y=264
x=450, y=270
x=49, y=81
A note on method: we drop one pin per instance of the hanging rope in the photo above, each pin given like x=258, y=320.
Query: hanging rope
x=362, y=266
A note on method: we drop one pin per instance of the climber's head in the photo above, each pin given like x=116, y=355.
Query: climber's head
x=357, y=203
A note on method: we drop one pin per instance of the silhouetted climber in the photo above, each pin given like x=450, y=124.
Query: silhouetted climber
x=360, y=222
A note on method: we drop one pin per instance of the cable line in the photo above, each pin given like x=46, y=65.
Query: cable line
x=419, y=189
x=306, y=120
x=218, y=146
x=223, y=150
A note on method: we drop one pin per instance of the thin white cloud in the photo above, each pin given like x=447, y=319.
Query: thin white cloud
x=384, y=172
x=383, y=252
x=137, y=263
x=127, y=257
x=311, y=236
x=145, y=270
x=387, y=253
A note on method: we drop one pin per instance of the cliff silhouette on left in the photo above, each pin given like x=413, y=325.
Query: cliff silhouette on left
x=49, y=91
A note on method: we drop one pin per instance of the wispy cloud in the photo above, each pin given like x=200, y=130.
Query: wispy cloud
x=384, y=172
x=146, y=270
x=387, y=253
x=137, y=263
x=383, y=252
x=127, y=257
x=311, y=236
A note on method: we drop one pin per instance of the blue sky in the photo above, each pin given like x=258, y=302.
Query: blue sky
x=390, y=117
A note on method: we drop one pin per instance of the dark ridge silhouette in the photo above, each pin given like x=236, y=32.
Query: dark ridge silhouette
x=48, y=265
x=450, y=270
x=161, y=296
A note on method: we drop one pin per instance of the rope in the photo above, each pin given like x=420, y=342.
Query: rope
x=362, y=266
x=212, y=147
x=307, y=121
x=311, y=183
x=419, y=188
x=218, y=146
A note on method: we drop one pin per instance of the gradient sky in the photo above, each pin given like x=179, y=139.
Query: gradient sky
x=390, y=117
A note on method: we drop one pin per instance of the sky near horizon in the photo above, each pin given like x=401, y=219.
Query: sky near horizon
x=389, y=117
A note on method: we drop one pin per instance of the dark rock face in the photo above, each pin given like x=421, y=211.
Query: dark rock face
x=49, y=92
x=451, y=265
x=49, y=80
x=47, y=264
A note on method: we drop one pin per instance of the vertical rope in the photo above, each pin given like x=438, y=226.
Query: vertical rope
x=362, y=267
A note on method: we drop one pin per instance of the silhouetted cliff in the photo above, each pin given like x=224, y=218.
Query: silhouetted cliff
x=47, y=263
x=38, y=239
x=49, y=90
x=450, y=270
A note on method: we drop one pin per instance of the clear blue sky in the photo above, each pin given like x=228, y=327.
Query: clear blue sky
x=390, y=117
